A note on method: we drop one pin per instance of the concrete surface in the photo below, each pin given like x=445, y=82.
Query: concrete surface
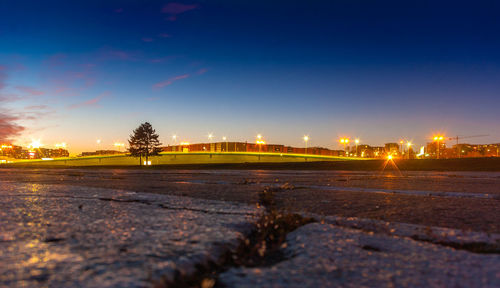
x=115, y=227
x=68, y=236
x=325, y=255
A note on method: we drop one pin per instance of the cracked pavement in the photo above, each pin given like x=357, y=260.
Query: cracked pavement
x=325, y=255
x=67, y=236
x=135, y=228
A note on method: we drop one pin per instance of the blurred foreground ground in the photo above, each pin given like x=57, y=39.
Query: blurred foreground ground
x=65, y=227
x=463, y=200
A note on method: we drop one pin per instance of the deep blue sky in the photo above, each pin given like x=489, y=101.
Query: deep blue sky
x=77, y=71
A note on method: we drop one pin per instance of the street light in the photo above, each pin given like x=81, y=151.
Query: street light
x=260, y=142
x=119, y=146
x=357, y=142
x=408, y=144
x=437, y=139
x=224, y=138
x=344, y=141
x=60, y=145
x=35, y=144
x=306, y=138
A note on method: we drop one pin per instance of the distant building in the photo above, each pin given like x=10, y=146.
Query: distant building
x=476, y=150
x=18, y=152
x=432, y=150
x=101, y=153
x=250, y=147
x=391, y=149
x=9, y=150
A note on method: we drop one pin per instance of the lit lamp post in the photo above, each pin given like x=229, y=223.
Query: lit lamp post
x=34, y=146
x=210, y=137
x=225, y=140
x=306, y=138
x=438, y=139
x=408, y=144
x=344, y=141
x=60, y=145
x=120, y=146
x=401, y=142
x=357, y=143
x=260, y=142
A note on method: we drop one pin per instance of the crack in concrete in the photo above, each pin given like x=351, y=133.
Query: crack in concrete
x=140, y=201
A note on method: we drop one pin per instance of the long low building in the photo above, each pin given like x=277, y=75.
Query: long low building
x=250, y=147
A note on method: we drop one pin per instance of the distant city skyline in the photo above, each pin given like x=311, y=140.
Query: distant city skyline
x=81, y=71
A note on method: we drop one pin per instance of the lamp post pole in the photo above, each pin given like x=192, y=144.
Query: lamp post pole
x=357, y=142
x=306, y=138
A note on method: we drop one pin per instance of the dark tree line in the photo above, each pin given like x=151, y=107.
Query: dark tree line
x=144, y=142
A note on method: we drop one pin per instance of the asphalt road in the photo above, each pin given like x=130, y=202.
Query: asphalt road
x=137, y=228
x=463, y=200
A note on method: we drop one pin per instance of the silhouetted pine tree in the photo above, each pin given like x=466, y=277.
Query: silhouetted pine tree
x=144, y=142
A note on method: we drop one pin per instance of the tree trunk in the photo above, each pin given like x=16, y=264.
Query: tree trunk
x=140, y=160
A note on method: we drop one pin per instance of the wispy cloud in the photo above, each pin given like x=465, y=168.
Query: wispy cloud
x=163, y=59
x=67, y=76
x=118, y=10
x=91, y=102
x=117, y=54
x=202, y=71
x=147, y=39
x=9, y=129
x=36, y=107
x=3, y=76
x=170, y=81
x=9, y=97
x=56, y=60
x=164, y=35
x=174, y=9
x=6, y=97
x=29, y=91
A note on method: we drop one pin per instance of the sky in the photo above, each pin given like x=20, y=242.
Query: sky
x=380, y=71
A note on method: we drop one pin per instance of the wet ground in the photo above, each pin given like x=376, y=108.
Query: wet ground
x=126, y=227
x=463, y=200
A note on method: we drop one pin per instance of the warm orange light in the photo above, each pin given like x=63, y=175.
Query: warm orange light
x=35, y=144
x=259, y=136
x=438, y=138
x=184, y=143
x=260, y=142
x=389, y=157
x=357, y=141
x=60, y=145
x=306, y=138
x=344, y=140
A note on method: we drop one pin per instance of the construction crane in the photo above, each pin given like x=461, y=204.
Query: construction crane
x=459, y=153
